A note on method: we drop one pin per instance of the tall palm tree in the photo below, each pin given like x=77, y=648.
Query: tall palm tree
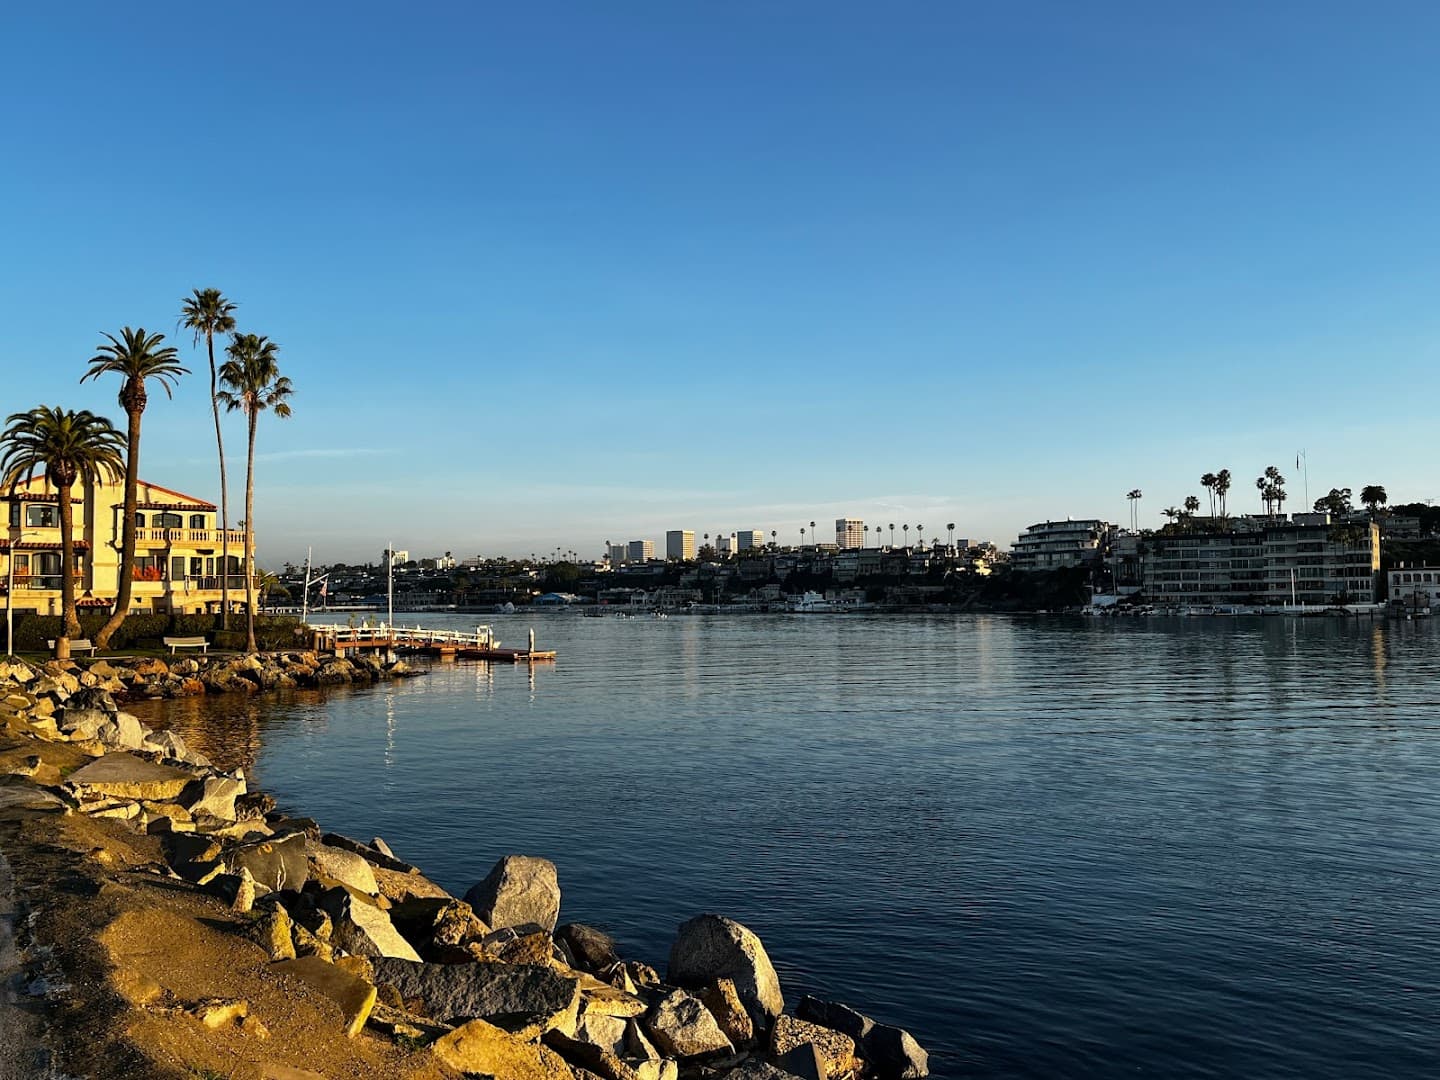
x=136, y=357
x=921, y=530
x=208, y=313
x=1134, y=495
x=802, y=535
x=814, y=536
x=867, y=536
x=951, y=527
x=65, y=446
x=906, y=529
x=253, y=384
x=1208, y=483
x=892, y=534
x=1222, y=488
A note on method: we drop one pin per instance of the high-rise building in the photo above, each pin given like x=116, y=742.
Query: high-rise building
x=616, y=553
x=751, y=538
x=726, y=545
x=849, y=533
x=680, y=544
x=641, y=551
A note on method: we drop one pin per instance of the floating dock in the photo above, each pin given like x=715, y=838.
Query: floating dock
x=446, y=644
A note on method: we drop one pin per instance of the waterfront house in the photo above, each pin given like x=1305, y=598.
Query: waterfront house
x=1050, y=545
x=178, y=550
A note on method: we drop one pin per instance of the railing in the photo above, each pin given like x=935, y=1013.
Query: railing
x=483, y=637
x=192, y=536
x=197, y=583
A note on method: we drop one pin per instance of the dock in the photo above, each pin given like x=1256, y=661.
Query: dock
x=446, y=644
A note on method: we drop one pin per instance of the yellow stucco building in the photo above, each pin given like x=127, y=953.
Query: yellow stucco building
x=178, y=550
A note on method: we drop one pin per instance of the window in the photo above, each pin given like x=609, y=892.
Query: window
x=177, y=566
x=197, y=521
x=167, y=521
x=139, y=520
x=41, y=516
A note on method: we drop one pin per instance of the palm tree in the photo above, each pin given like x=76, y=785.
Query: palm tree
x=1374, y=497
x=1208, y=483
x=951, y=527
x=802, y=535
x=892, y=534
x=1171, y=512
x=1222, y=487
x=775, y=539
x=66, y=447
x=135, y=357
x=1192, y=504
x=867, y=536
x=906, y=529
x=208, y=313
x=814, y=536
x=1134, y=495
x=253, y=384
x=920, y=529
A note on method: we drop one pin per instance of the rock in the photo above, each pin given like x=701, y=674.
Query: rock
x=713, y=947
x=125, y=776
x=343, y=866
x=216, y=1013
x=519, y=889
x=453, y=928
x=657, y=1069
x=273, y=932
x=86, y=697
x=681, y=1027
x=723, y=1001
x=81, y=723
x=168, y=743
x=637, y=1045
x=891, y=1051
x=758, y=1069
x=606, y=1032
x=363, y=929
x=370, y=854
x=480, y=1048
x=122, y=730
x=399, y=887
x=592, y=950
x=836, y=1050
x=308, y=943
x=216, y=796
x=146, y=667
x=507, y=994
x=355, y=996
x=276, y=864
x=244, y=893
x=805, y=1062
x=517, y=945
x=602, y=1061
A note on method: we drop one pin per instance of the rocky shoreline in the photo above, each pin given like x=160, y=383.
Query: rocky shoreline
x=239, y=942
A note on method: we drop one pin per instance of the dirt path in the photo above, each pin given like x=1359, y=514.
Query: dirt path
x=21, y=1055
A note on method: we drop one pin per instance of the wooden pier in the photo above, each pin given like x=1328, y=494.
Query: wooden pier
x=447, y=644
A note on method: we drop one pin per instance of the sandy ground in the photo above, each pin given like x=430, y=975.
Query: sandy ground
x=21, y=1054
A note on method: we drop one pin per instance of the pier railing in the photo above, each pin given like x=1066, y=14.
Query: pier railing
x=401, y=636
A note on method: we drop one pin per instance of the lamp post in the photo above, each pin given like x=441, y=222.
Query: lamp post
x=10, y=590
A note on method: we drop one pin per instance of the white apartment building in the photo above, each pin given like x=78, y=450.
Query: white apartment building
x=750, y=539
x=849, y=533
x=640, y=551
x=680, y=544
x=1050, y=545
x=1415, y=586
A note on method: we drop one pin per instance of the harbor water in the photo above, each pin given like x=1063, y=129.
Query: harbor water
x=1154, y=847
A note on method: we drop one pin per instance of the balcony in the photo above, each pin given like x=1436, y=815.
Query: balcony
x=217, y=537
x=188, y=584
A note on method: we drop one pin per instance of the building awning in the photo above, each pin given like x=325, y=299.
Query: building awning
x=94, y=602
x=42, y=545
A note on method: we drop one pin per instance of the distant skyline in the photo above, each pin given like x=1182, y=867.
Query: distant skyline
x=550, y=276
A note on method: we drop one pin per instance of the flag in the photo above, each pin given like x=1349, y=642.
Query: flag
x=324, y=585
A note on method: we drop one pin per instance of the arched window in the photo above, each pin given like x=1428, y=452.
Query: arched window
x=168, y=521
x=197, y=521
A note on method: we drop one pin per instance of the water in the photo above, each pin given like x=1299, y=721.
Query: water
x=1171, y=848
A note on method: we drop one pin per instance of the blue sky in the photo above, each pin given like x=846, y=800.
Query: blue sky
x=547, y=275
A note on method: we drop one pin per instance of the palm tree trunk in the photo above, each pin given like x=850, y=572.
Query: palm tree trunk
x=71, y=619
x=125, y=586
x=224, y=494
x=250, y=540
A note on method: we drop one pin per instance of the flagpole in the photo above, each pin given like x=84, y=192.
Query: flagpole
x=305, y=596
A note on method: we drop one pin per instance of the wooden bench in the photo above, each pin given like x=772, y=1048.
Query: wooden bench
x=186, y=643
x=77, y=645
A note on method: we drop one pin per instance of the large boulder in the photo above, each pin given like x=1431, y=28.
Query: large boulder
x=362, y=929
x=712, y=947
x=276, y=863
x=519, y=889
x=592, y=950
x=481, y=1049
x=216, y=796
x=681, y=1026
x=892, y=1052
x=343, y=866
x=124, y=776
x=723, y=1001
x=836, y=1051
x=515, y=995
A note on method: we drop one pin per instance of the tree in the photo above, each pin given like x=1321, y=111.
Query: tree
x=253, y=384
x=136, y=357
x=892, y=534
x=906, y=529
x=1336, y=504
x=1222, y=488
x=951, y=527
x=1172, y=513
x=1134, y=495
x=1374, y=497
x=208, y=313
x=920, y=531
x=65, y=446
x=1192, y=505
x=1208, y=483
x=1271, y=486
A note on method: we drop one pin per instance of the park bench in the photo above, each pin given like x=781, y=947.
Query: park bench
x=77, y=645
x=186, y=643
